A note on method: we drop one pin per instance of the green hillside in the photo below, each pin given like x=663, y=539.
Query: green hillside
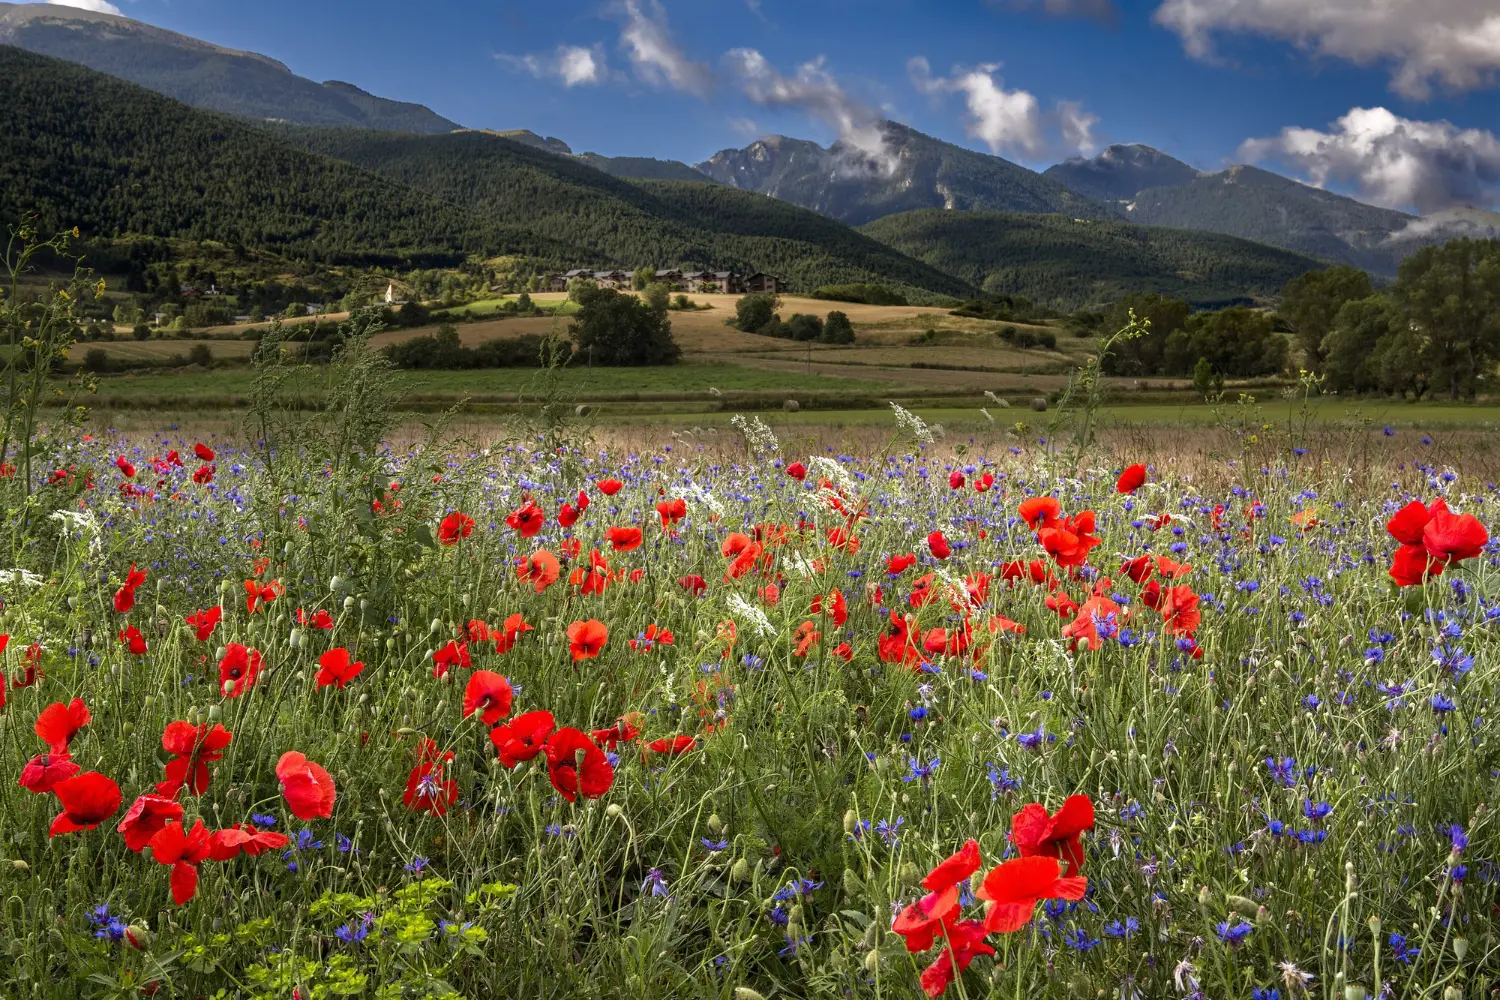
x=81, y=148
x=1068, y=263
x=628, y=223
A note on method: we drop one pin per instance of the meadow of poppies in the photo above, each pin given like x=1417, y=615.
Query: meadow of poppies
x=545, y=722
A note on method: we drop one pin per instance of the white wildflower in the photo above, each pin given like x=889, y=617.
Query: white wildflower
x=752, y=617
x=1002, y=403
x=701, y=496
x=913, y=424
x=80, y=524
x=757, y=432
x=1294, y=978
x=20, y=577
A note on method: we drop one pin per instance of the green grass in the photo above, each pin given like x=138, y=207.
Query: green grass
x=485, y=308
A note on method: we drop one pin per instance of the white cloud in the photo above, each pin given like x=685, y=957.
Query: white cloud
x=1005, y=120
x=1453, y=42
x=572, y=65
x=97, y=6
x=1077, y=126
x=744, y=126
x=815, y=92
x=1391, y=160
x=656, y=57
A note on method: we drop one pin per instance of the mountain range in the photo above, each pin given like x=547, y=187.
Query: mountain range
x=912, y=171
x=203, y=75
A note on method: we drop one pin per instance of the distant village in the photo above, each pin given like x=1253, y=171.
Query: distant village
x=702, y=282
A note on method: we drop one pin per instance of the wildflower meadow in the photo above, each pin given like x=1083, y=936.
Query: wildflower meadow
x=317, y=716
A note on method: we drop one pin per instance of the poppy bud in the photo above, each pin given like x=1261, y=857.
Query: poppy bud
x=851, y=821
x=794, y=917
x=739, y=871
x=852, y=883
x=214, y=713
x=715, y=824
x=337, y=583
x=193, y=717
x=127, y=728
x=911, y=874
x=73, y=603
x=348, y=603
x=20, y=865
x=613, y=810
x=1453, y=993
x=390, y=643
x=1203, y=896
x=229, y=689
x=433, y=629
x=871, y=938
x=1245, y=907
x=1354, y=991
x=1460, y=947
x=295, y=639
x=746, y=993
x=1262, y=917
x=872, y=960
x=138, y=936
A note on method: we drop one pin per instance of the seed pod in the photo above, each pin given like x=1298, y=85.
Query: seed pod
x=1460, y=947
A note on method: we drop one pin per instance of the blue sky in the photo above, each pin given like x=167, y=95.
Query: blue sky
x=679, y=79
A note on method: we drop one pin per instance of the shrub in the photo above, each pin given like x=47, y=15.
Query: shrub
x=871, y=295
x=753, y=312
x=803, y=327
x=620, y=330
x=200, y=354
x=837, y=329
x=96, y=360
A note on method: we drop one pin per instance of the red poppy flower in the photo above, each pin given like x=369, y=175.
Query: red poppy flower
x=505, y=637
x=239, y=669
x=576, y=766
x=125, y=596
x=1454, y=537
x=921, y=921
x=426, y=788
x=308, y=789
x=133, y=640
x=454, y=527
x=42, y=772
x=901, y=644
x=693, y=584
x=528, y=519
x=671, y=511
x=896, y=565
x=194, y=748
x=1037, y=833
x=673, y=746
x=337, y=667
x=956, y=480
x=1069, y=542
x=204, y=622
x=1014, y=888
x=625, y=729
x=204, y=452
x=147, y=816
x=833, y=605
x=609, y=487
x=1040, y=512
x=983, y=483
x=938, y=545
x=87, y=800
x=523, y=737
x=624, y=539
x=1413, y=565
x=226, y=845
x=654, y=635
x=1178, y=607
x=489, y=694
x=844, y=651
x=258, y=595
x=797, y=471
x=204, y=474
x=184, y=851
x=454, y=654
x=1132, y=479
x=586, y=639
x=58, y=723
x=964, y=943
x=567, y=515
x=540, y=569
x=319, y=619
x=126, y=469
x=1409, y=524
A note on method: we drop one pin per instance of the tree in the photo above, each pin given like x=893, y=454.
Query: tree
x=640, y=280
x=1353, y=346
x=754, y=312
x=1238, y=343
x=1451, y=295
x=657, y=295
x=1142, y=355
x=802, y=326
x=579, y=287
x=615, y=329
x=1310, y=304
x=837, y=329
x=1206, y=381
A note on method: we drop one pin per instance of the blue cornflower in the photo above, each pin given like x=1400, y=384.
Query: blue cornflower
x=416, y=864
x=890, y=833
x=656, y=882
x=107, y=926
x=1079, y=940
x=1001, y=781
x=714, y=845
x=1283, y=770
x=262, y=819
x=1233, y=934
x=1116, y=929
x=1316, y=811
x=1402, y=953
x=917, y=771
x=1442, y=703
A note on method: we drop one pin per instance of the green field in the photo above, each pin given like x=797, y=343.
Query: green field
x=485, y=308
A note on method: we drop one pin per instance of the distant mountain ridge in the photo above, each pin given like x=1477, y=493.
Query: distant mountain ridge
x=917, y=171
x=1116, y=174
x=245, y=84
x=629, y=167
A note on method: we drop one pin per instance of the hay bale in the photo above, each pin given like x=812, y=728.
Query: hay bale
x=791, y=406
x=1039, y=403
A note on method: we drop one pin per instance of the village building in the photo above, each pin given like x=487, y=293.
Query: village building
x=703, y=282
